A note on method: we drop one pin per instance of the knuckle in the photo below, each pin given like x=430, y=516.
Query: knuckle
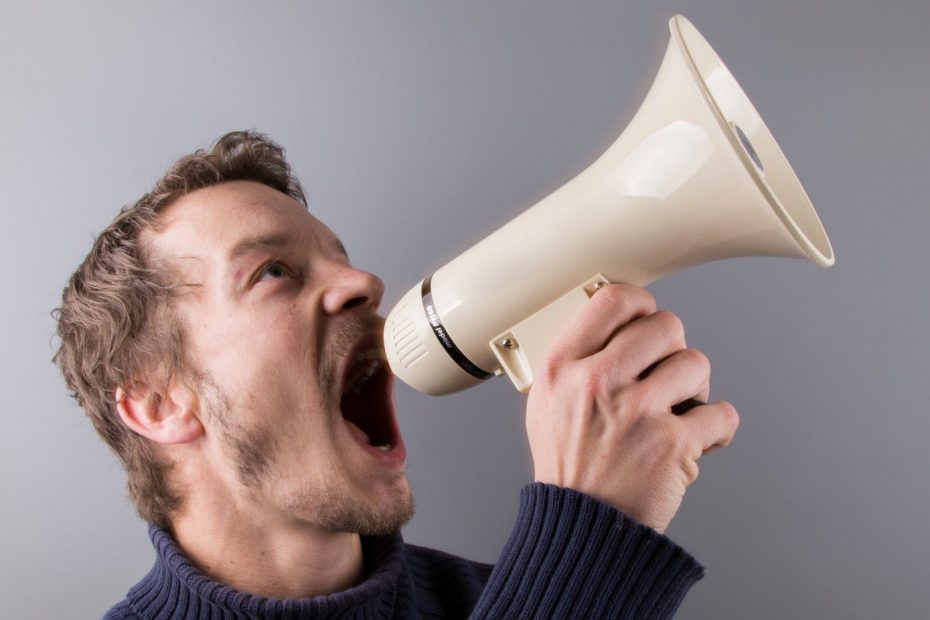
x=551, y=367
x=691, y=470
x=697, y=359
x=592, y=378
x=730, y=416
x=639, y=294
x=592, y=383
x=671, y=325
x=625, y=298
x=611, y=299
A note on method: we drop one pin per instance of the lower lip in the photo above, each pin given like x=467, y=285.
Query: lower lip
x=396, y=454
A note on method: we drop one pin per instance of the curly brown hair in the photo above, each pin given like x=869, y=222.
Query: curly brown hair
x=118, y=324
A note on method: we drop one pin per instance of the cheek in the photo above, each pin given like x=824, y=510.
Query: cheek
x=252, y=333
x=266, y=360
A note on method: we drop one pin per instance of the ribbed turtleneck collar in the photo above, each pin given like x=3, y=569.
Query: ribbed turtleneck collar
x=175, y=588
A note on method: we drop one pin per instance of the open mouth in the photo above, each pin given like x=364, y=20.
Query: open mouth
x=366, y=398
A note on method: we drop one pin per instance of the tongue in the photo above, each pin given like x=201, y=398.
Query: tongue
x=358, y=433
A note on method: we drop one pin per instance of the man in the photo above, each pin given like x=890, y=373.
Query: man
x=220, y=340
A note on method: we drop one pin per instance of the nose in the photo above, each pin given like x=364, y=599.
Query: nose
x=353, y=288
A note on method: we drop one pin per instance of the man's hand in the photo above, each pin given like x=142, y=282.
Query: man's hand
x=597, y=425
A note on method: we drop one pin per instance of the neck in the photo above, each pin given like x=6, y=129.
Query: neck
x=263, y=554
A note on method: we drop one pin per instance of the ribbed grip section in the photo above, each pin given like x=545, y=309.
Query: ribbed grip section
x=414, y=351
x=408, y=347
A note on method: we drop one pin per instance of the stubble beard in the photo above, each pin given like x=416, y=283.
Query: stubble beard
x=324, y=504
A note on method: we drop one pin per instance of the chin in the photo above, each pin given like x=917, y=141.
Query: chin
x=370, y=504
x=395, y=508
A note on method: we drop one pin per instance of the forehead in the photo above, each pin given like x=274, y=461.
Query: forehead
x=207, y=223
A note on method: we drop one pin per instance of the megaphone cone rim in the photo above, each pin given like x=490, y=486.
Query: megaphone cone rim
x=825, y=257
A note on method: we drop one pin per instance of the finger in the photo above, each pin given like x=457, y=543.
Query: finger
x=610, y=308
x=712, y=425
x=704, y=395
x=684, y=374
x=642, y=344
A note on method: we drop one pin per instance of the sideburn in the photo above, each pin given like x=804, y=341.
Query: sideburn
x=249, y=450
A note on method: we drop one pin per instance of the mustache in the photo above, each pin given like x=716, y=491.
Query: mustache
x=353, y=329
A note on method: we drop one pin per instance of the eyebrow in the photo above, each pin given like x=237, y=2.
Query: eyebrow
x=274, y=240
x=261, y=242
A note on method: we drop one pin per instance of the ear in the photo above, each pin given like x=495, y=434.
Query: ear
x=169, y=418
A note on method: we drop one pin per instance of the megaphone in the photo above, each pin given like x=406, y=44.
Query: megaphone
x=695, y=177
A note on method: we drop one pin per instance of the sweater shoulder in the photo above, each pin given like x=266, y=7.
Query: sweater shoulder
x=121, y=611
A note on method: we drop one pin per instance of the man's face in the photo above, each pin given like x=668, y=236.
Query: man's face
x=281, y=332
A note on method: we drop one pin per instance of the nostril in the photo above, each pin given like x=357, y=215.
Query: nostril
x=355, y=301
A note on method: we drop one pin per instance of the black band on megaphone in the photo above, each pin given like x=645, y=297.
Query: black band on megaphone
x=436, y=323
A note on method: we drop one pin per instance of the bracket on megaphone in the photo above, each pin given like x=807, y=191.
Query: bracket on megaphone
x=521, y=349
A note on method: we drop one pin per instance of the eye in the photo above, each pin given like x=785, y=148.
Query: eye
x=274, y=270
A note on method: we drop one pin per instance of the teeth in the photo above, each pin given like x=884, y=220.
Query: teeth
x=385, y=447
x=374, y=363
x=370, y=354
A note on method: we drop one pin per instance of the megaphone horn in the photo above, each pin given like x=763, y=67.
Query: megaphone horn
x=695, y=177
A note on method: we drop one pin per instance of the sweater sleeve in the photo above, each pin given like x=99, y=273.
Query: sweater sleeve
x=572, y=556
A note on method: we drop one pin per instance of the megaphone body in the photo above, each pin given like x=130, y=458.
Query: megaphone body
x=695, y=177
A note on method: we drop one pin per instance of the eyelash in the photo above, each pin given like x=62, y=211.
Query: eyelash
x=287, y=271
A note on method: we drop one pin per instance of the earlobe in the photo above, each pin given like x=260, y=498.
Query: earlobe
x=164, y=418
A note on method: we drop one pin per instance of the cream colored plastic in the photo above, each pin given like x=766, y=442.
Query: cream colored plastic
x=520, y=349
x=414, y=352
x=676, y=189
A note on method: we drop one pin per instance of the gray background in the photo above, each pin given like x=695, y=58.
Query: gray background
x=419, y=127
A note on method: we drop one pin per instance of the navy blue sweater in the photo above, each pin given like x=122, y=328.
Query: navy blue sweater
x=569, y=556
